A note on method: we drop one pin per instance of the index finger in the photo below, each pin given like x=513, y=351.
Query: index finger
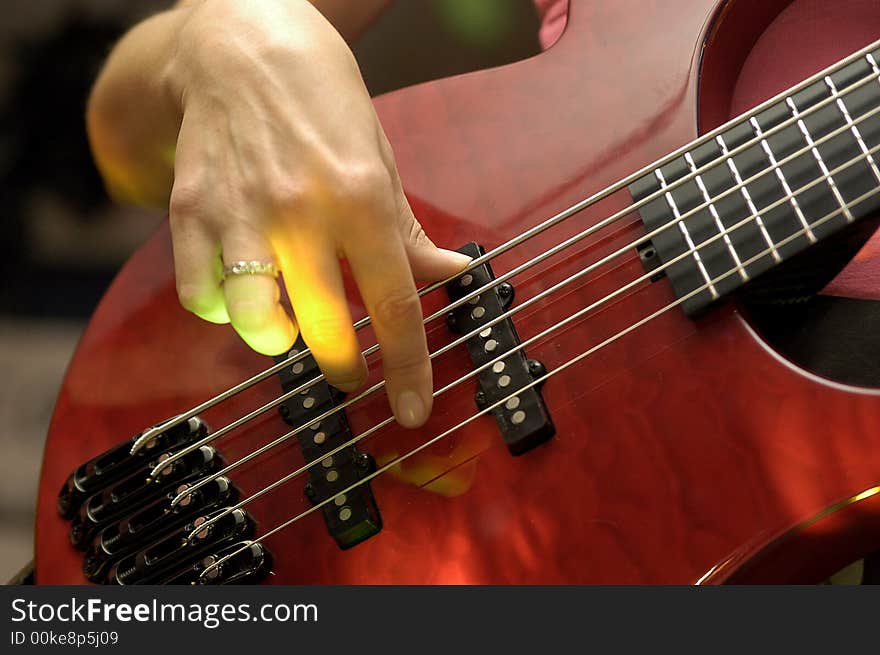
x=385, y=280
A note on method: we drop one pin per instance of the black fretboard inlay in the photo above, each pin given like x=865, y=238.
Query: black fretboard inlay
x=759, y=240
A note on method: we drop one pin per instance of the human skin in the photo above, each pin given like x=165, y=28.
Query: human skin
x=249, y=121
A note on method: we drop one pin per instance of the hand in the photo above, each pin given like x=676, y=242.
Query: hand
x=280, y=157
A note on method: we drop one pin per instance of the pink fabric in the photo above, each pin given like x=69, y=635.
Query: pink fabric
x=861, y=278
x=553, y=14
x=826, y=32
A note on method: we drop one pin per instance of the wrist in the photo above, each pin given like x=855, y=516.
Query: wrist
x=224, y=42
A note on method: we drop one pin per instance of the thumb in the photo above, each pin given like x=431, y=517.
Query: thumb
x=428, y=262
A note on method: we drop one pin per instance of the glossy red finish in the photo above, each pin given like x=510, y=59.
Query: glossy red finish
x=683, y=446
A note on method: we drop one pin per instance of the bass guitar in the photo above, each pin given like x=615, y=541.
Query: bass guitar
x=613, y=403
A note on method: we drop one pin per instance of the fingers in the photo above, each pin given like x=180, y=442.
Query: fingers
x=253, y=300
x=383, y=275
x=314, y=282
x=197, y=265
x=197, y=268
x=428, y=262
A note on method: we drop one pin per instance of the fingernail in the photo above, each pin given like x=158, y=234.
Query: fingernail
x=410, y=410
x=458, y=258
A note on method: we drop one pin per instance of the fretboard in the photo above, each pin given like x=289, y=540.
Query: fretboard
x=761, y=188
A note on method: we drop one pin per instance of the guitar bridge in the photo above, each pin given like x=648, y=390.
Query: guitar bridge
x=122, y=515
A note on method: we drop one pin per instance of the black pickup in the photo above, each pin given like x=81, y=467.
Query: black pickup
x=352, y=517
x=523, y=419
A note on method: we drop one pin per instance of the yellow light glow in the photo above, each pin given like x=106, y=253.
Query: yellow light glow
x=323, y=317
x=866, y=494
x=432, y=474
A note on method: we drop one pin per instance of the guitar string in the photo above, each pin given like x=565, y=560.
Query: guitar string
x=557, y=326
x=775, y=166
x=153, y=431
x=538, y=381
x=688, y=253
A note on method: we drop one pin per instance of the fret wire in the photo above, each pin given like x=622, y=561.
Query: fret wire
x=852, y=126
x=818, y=157
x=874, y=66
x=687, y=235
x=782, y=179
x=748, y=198
x=699, y=179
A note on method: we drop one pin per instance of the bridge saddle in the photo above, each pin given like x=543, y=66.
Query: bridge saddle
x=165, y=557
x=122, y=515
x=137, y=530
x=130, y=493
x=249, y=561
x=111, y=466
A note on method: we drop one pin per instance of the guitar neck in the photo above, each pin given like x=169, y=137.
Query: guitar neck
x=768, y=186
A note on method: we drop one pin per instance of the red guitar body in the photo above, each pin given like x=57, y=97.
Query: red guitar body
x=687, y=451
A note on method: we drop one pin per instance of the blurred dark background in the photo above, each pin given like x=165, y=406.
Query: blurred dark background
x=63, y=240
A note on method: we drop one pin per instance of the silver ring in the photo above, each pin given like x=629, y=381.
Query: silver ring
x=254, y=267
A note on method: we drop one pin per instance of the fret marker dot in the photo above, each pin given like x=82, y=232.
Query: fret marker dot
x=344, y=514
x=320, y=437
x=339, y=500
x=315, y=426
x=327, y=462
x=309, y=402
x=332, y=476
x=466, y=280
x=478, y=312
x=504, y=381
x=518, y=417
x=490, y=346
x=485, y=333
x=297, y=368
x=513, y=403
x=474, y=300
x=497, y=367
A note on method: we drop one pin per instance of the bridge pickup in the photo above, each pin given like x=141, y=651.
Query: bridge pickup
x=353, y=517
x=155, y=520
x=174, y=551
x=524, y=420
x=113, y=465
x=139, y=488
x=249, y=566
